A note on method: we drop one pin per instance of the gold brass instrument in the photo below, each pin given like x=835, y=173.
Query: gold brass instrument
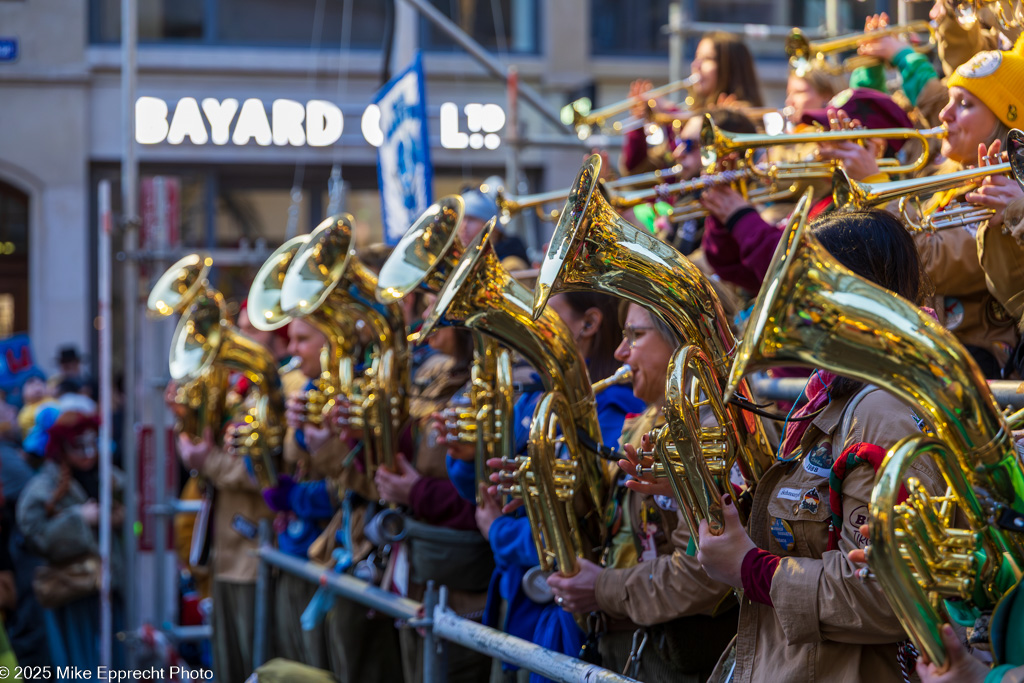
x=586, y=120
x=205, y=341
x=813, y=312
x=423, y=260
x=481, y=295
x=594, y=248
x=180, y=284
x=851, y=194
x=337, y=360
x=202, y=401
x=716, y=143
x=765, y=190
x=326, y=276
x=966, y=13
x=805, y=55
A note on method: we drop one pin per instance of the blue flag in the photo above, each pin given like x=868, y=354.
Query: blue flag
x=404, y=171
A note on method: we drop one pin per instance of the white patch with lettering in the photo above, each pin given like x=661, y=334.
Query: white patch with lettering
x=790, y=494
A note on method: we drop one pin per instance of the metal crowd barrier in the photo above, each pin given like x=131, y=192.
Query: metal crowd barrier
x=440, y=625
x=1006, y=392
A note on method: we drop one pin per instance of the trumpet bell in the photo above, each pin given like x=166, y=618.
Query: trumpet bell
x=265, y=312
x=317, y=267
x=179, y=285
x=427, y=253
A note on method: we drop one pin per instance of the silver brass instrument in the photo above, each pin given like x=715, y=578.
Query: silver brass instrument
x=326, y=276
x=594, y=248
x=813, y=312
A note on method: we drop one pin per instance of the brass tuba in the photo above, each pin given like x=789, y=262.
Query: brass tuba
x=201, y=401
x=337, y=360
x=814, y=312
x=594, y=248
x=423, y=260
x=205, y=342
x=326, y=276
x=481, y=295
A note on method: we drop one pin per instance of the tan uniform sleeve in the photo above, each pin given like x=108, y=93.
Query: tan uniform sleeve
x=823, y=599
x=228, y=472
x=1002, y=257
x=660, y=590
x=950, y=258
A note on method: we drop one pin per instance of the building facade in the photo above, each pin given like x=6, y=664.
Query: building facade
x=239, y=105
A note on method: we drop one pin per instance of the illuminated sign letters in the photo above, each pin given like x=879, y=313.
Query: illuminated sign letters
x=289, y=123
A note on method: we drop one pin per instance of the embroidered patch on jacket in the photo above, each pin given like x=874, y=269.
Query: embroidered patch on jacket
x=789, y=493
x=243, y=526
x=783, y=534
x=954, y=312
x=811, y=501
x=857, y=518
x=997, y=315
x=921, y=424
x=981, y=65
x=819, y=461
x=666, y=503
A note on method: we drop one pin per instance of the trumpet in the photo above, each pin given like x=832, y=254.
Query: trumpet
x=585, y=120
x=851, y=194
x=805, y=55
x=814, y=312
x=716, y=143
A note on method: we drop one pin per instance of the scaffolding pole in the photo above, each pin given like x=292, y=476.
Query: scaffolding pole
x=129, y=224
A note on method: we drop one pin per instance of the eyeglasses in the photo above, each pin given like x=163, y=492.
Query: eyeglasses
x=629, y=335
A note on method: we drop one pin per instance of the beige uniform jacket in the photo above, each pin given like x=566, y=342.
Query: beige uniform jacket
x=826, y=624
x=962, y=301
x=671, y=585
x=1002, y=257
x=237, y=510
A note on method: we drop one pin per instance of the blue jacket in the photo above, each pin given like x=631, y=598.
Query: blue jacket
x=512, y=541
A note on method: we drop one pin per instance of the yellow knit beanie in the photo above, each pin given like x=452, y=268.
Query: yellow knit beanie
x=997, y=79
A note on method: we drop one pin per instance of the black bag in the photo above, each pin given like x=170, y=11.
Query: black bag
x=695, y=644
x=461, y=560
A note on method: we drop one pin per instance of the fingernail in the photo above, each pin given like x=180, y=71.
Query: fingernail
x=727, y=499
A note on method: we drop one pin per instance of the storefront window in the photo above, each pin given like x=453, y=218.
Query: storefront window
x=291, y=23
x=511, y=29
x=636, y=28
x=14, y=290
